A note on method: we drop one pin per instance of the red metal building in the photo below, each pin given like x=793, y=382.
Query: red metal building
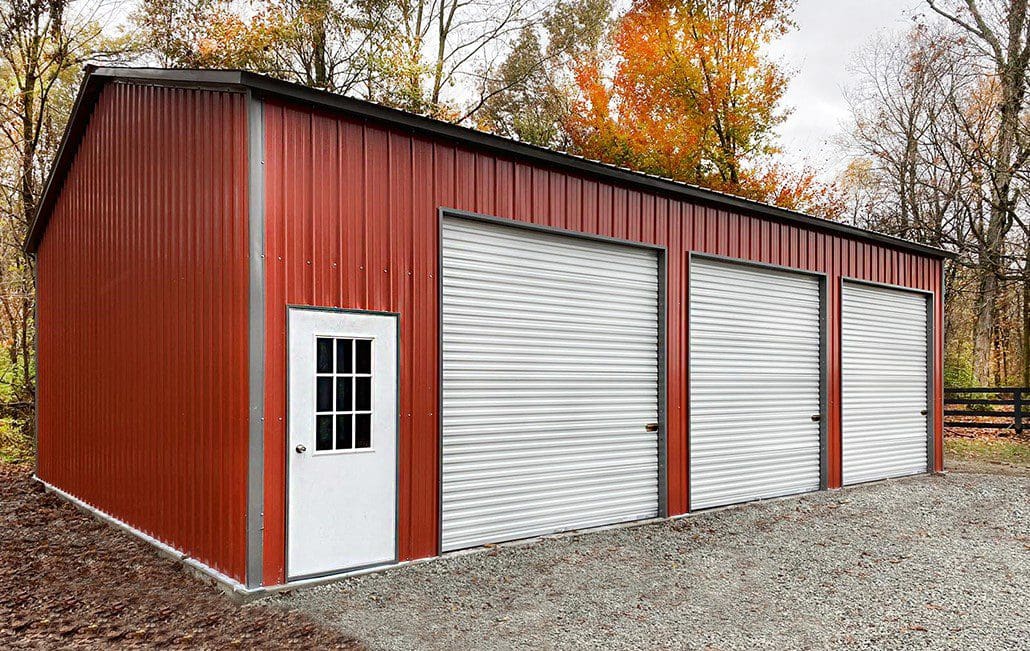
x=291, y=334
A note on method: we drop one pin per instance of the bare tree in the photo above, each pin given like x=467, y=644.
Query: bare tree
x=529, y=96
x=900, y=104
x=999, y=32
x=924, y=133
x=421, y=55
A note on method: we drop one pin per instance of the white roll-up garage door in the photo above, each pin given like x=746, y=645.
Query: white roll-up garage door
x=883, y=384
x=550, y=378
x=755, y=341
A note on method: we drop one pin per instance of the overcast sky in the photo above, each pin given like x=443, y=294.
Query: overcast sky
x=829, y=33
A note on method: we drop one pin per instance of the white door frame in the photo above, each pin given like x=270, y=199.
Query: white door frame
x=289, y=449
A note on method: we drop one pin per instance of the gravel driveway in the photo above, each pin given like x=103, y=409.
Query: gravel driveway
x=925, y=562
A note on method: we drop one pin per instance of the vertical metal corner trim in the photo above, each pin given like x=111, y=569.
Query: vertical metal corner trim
x=256, y=339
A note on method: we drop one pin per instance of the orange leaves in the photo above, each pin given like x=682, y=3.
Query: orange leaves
x=690, y=95
x=229, y=40
x=796, y=190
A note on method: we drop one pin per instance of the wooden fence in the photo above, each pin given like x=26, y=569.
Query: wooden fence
x=1006, y=407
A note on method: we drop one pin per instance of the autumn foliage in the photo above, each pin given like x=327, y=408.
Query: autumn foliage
x=687, y=93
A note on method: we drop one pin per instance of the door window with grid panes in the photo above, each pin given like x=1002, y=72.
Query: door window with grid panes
x=343, y=394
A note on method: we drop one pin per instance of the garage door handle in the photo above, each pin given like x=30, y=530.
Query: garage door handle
x=816, y=418
x=923, y=412
x=651, y=427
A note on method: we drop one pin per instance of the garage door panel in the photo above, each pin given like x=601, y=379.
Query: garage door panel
x=499, y=500
x=571, y=312
x=883, y=383
x=550, y=374
x=495, y=478
x=502, y=365
x=529, y=292
x=756, y=458
x=755, y=377
x=734, y=489
x=552, y=519
x=500, y=454
x=537, y=251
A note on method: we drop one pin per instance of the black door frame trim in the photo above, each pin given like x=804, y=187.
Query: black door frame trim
x=661, y=250
x=931, y=359
x=824, y=352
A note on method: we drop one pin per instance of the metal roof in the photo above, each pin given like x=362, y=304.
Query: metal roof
x=267, y=87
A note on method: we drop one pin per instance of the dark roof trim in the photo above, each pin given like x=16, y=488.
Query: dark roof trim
x=270, y=88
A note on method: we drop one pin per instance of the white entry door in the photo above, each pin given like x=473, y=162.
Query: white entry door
x=342, y=444
x=883, y=383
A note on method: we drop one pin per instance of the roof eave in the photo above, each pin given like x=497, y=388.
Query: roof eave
x=266, y=86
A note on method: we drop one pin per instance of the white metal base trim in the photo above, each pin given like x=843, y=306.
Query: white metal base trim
x=224, y=581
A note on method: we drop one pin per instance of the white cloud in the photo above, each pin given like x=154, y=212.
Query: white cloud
x=817, y=53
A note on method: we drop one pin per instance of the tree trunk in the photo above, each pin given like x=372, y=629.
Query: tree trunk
x=1025, y=339
x=983, y=327
x=321, y=77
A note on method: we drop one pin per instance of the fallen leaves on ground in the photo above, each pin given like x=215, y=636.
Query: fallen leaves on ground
x=69, y=580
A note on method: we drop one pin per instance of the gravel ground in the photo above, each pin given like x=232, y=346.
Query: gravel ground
x=68, y=580
x=926, y=562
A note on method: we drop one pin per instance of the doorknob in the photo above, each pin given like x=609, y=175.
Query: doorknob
x=301, y=448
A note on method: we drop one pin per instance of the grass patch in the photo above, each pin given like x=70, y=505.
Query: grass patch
x=15, y=445
x=1006, y=450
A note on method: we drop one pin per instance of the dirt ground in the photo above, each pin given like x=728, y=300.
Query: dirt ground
x=68, y=580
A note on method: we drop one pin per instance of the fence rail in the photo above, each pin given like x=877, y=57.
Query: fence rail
x=965, y=403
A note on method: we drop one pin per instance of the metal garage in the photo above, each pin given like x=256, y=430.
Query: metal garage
x=885, y=376
x=384, y=337
x=550, y=382
x=755, y=382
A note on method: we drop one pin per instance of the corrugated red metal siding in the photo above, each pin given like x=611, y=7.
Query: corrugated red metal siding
x=352, y=222
x=143, y=320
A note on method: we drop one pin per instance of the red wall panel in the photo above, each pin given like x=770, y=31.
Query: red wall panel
x=351, y=221
x=143, y=320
